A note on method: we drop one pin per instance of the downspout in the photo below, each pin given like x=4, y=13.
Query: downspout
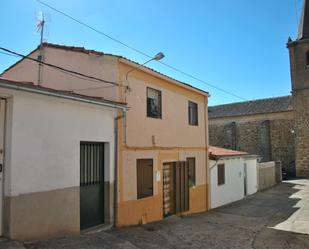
x=206, y=153
x=122, y=116
x=116, y=169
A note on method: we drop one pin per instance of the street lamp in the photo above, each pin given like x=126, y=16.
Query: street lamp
x=157, y=57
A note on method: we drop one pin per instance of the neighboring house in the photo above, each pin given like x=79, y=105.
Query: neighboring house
x=275, y=128
x=233, y=175
x=162, y=139
x=56, y=151
x=262, y=127
x=299, y=62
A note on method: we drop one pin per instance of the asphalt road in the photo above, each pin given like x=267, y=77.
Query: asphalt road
x=275, y=218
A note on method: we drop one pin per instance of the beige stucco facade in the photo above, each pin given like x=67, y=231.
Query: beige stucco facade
x=168, y=139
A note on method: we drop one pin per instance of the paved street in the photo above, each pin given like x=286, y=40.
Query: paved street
x=270, y=219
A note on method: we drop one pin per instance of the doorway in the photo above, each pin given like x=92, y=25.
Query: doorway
x=91, y=184
x=175, y=187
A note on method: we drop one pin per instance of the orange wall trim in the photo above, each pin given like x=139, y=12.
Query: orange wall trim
x=140, y=211
x=164, y=148
x=150, y=209
x=197, y=201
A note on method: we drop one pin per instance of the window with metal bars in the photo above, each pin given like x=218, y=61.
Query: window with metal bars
x=91, y=163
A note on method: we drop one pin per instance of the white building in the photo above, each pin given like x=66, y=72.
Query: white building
x=233, y=175
x=57, y=150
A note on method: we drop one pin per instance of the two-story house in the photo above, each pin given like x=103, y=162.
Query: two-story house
x=162, y=140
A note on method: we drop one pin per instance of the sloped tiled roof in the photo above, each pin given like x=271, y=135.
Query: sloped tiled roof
x=94, y=52
x=260, y=106
x=24, y=85
x=215, y=152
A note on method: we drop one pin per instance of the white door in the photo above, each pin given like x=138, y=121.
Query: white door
x=2, y=117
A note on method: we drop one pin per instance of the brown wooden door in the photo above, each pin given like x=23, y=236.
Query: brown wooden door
x=181, y=187
x=168, y=189
x=175, y=188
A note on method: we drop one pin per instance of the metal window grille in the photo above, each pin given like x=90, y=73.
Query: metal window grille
x=91, y=163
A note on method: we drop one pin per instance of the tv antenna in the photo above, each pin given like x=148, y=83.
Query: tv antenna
x=40, y=28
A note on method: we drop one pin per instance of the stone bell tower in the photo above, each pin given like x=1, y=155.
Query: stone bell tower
x=299, y=63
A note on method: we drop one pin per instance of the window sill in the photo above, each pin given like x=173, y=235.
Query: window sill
x=155, y=117
x=144, y=198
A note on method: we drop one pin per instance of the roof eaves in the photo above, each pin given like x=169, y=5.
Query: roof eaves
x=127, y=61
x=17, y=62
x=31, y=87
x=164, y=76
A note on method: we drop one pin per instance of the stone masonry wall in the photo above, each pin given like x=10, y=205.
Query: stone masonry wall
x=269, y=136
x=301, y=107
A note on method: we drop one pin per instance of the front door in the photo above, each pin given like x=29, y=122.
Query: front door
x=175, y=188
x=2, y=126
x=91, y=184
x=168, y=189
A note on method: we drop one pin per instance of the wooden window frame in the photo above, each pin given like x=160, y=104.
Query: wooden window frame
x=138, y=193
x=220, y=181
x=192, y=183
x=190, y=113
x=159, y=116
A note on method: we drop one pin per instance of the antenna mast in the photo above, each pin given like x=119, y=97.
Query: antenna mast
x=40, y=26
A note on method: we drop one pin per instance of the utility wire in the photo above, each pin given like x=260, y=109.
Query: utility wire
x=296, y=13
x=137, y=50
x=68, y=71
x=12, y=55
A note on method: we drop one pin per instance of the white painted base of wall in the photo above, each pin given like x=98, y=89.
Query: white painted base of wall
x=234, y=187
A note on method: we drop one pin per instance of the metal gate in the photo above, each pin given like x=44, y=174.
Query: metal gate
x=175, y=188
x=91, y=184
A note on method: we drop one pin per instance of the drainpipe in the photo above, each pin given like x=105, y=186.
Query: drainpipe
x=116, y=168
x=208, y=192
x=116, y=171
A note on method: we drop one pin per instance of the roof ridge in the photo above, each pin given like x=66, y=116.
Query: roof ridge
x=250, y=101
x=89, y=51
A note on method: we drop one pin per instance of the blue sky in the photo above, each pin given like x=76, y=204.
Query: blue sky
x=237, y=45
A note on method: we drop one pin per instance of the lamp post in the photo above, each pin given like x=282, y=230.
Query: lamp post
x=157, y=57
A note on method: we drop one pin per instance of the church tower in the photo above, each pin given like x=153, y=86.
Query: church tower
x=299, y=64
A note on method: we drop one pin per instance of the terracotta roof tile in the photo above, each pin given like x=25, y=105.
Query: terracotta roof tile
x=220, y=152
x=269, y=105
x=90, y=51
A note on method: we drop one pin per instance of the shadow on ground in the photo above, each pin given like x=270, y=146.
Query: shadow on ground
x=248, y=223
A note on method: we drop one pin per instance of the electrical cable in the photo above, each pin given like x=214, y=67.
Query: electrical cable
x=61, y=68
x=138, y=50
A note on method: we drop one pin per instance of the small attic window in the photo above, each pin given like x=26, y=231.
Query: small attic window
x=307, y=59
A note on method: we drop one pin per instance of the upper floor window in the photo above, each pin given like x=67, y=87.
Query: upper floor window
x=193, y=116
x=154, y=109
x=191, y=173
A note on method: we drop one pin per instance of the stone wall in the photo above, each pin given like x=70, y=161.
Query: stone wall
x=267, y=135
x=301, y=107
x=266, y=175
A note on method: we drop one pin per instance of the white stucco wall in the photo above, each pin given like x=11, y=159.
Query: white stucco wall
x=43, y=141
x=234, y=187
